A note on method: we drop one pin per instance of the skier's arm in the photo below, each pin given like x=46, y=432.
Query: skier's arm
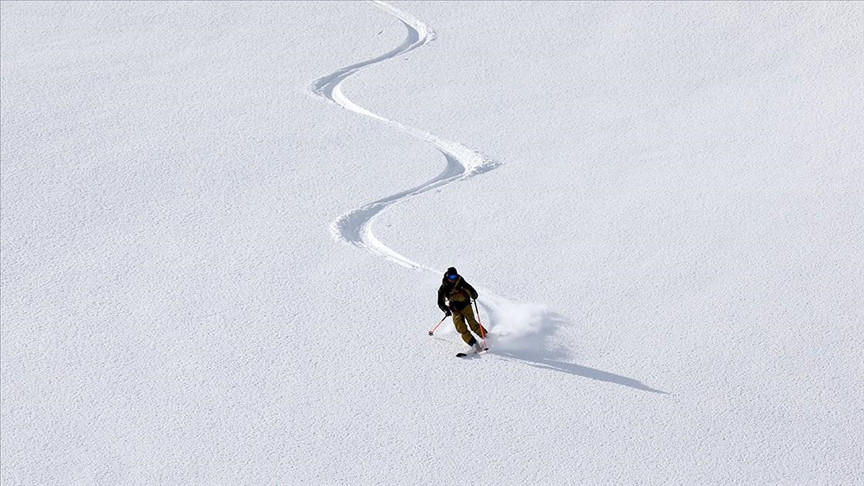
x=470, y=289
x=441, y=305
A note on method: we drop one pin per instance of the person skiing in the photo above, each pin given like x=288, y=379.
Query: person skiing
x=458, y=294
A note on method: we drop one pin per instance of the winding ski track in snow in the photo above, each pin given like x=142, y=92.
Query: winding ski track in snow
x=355, y=227
x=516, y=323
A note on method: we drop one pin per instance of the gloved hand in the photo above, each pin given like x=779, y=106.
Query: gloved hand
x=447, y=313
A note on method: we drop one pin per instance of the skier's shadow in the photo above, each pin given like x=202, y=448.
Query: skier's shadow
x=531, y=344
x=579, y=370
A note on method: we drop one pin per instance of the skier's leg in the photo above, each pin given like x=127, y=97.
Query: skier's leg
x=472, y=321
x=461, y=328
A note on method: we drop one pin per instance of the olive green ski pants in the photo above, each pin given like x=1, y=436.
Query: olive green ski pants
x=467, y=314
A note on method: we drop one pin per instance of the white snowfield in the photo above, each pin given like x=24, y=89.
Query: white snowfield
x=661, y=205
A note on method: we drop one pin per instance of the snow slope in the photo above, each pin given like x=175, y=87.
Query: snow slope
x=669, y=248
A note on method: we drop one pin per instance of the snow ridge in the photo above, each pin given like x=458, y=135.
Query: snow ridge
x=355, y=227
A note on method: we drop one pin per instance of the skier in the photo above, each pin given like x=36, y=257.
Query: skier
x=458, y=294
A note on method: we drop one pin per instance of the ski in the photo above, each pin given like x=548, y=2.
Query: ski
x=465, y=355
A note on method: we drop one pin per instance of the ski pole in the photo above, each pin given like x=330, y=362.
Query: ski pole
x=482, y=329
x=436, y=325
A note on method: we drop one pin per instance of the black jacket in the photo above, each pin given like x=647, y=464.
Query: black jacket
x=458, y=294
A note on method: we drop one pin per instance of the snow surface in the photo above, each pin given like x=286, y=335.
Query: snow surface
x=661, y=205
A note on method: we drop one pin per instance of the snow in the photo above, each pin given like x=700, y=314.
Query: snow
x=224, y=224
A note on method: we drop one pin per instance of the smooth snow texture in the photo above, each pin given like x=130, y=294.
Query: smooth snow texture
x=668, y=251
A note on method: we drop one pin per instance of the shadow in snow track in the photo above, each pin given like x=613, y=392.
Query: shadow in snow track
x=354, y=227
x=327, y=85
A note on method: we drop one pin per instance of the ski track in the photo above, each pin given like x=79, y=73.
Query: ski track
x=355, y=227
x=523, y=330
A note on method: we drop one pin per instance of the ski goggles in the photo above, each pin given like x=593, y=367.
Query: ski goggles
x=452, y=277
